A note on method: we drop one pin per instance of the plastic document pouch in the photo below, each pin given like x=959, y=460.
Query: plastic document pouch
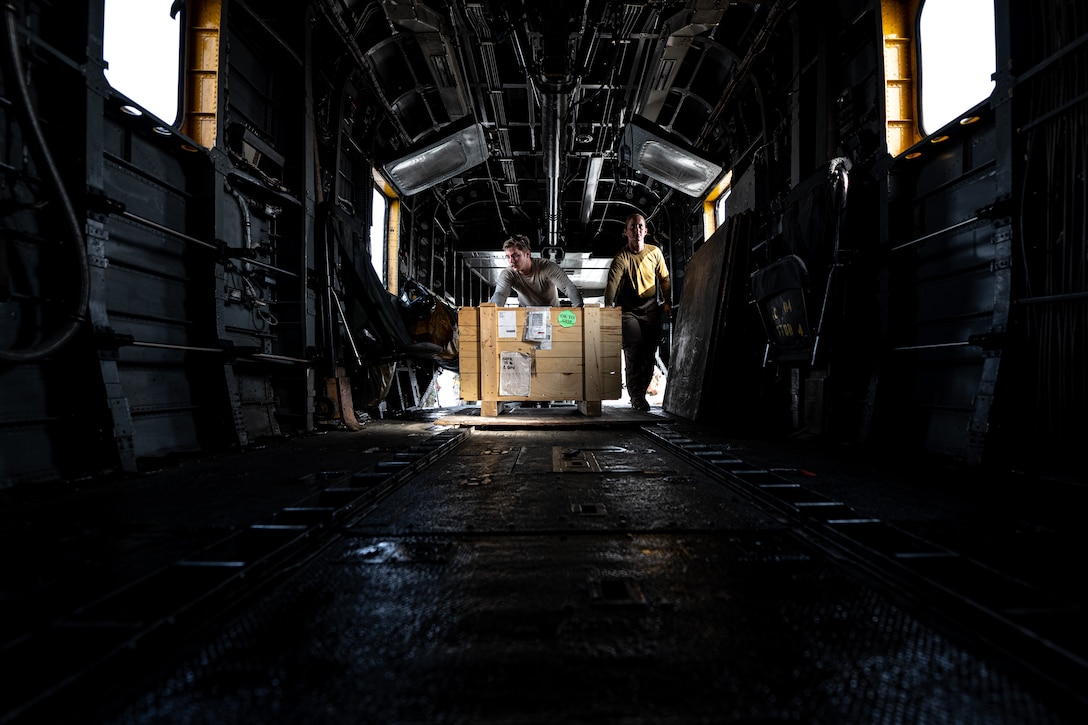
x=538, y=326
x=515, y=372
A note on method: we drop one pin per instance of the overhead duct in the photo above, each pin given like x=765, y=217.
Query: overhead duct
x=555, y=86
x=680, y=32
x=425, y=25
x=554, y=114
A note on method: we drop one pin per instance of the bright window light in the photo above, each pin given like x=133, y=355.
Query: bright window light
x=958, y=57
x=377, y=233
x=142, y=44
x=720, y=208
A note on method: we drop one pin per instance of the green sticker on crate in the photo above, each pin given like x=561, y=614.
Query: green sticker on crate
x=567, y=318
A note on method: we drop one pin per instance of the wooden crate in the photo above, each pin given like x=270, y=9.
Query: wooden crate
x=583, y=363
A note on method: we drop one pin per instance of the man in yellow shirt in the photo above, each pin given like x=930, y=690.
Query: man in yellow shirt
x=637, y=272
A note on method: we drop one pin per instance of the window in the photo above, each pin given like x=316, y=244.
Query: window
x=720, y=208
x=378, y=206
x=142, y=48
x=385, y=232
x=958, y=56
x=714, y=205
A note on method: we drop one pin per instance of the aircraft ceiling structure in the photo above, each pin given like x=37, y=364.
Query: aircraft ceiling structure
x=514, y=117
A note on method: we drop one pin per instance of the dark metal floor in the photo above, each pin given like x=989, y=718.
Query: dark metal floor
x=546, y=568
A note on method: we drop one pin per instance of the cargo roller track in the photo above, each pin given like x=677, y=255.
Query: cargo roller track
x=135, y=624
x=1002, y=612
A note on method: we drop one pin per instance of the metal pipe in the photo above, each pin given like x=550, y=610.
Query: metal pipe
x=1055, y=112
x=1046, y=299
x=264, y=265
x=347, y=328
x=166, y=230
x=281, y=358
x=187, y=348
x=933, y=346
x=283, y=44
x=555, y=109
x=937, y=233
x=1051, y=59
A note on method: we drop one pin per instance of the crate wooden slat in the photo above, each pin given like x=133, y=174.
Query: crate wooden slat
x=583, y=363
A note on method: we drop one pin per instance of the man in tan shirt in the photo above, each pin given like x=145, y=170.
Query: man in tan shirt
x=537, y=281
x=637, y=272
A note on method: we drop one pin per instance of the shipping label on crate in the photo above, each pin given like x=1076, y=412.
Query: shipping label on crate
x=508, y=323
x=538, y=327
x=515, y=373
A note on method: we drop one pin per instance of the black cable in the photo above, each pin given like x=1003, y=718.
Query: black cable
x=66, y=333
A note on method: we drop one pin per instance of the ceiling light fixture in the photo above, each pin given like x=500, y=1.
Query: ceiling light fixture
x=672, y=162
x=589, y=194
x=438, y=161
